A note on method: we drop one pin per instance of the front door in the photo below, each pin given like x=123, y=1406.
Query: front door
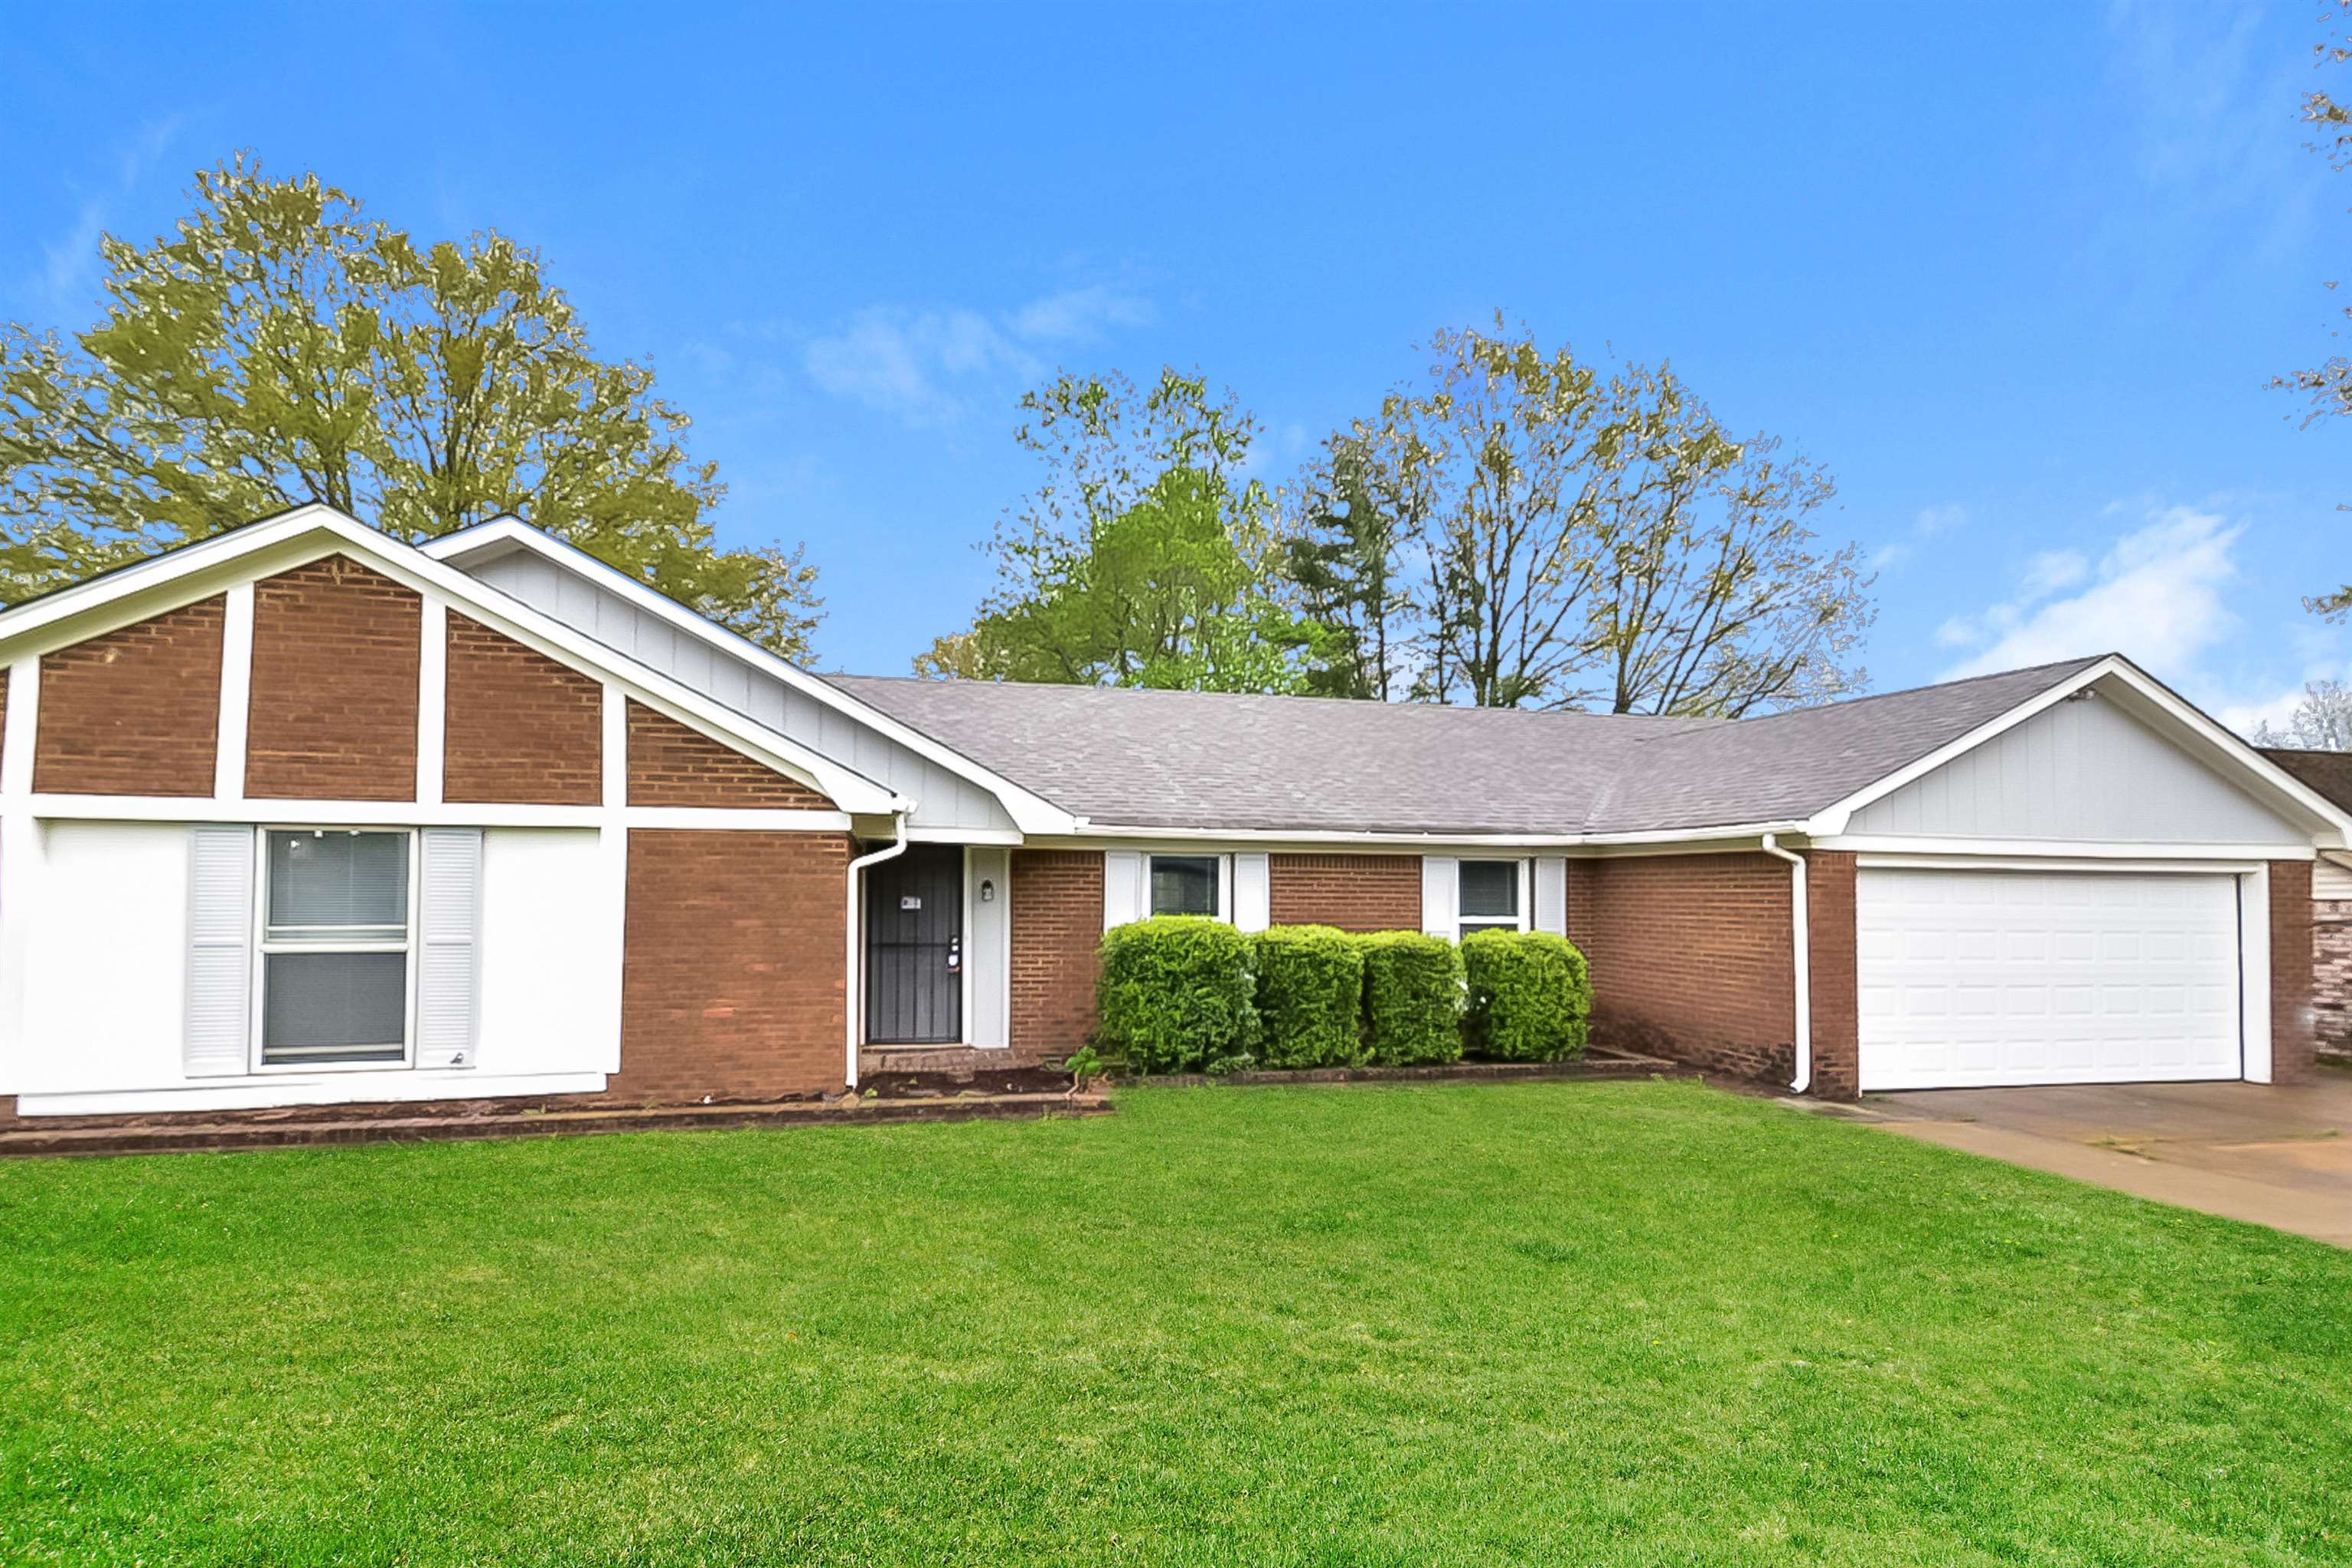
x=914, y=947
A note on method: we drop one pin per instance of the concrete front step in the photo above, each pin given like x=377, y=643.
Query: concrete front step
x=145, y=1137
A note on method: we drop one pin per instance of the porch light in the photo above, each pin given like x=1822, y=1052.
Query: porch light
x=987, y=891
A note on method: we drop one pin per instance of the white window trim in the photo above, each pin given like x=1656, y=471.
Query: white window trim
x=263, y=947
x=1224, y=913
x=1463, y=924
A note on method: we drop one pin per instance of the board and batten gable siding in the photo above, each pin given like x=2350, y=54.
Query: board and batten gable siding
x=943, y=798
x=2085, y=771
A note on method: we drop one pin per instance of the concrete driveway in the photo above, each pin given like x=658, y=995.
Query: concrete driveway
x=2280, y=1157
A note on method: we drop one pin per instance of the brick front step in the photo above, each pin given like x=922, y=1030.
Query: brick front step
x=24, y=1138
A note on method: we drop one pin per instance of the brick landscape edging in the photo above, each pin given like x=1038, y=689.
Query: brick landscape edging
x=1597, y=1067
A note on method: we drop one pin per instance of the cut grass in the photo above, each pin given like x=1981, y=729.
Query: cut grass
x=1531, y=1322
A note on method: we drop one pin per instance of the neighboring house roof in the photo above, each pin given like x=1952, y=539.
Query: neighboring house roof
x=2329, y=773
x=1184, y=759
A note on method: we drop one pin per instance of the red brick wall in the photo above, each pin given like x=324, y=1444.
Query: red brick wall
x=334, y=685
x=670, y=764
x=135, y=711
x=1353, y=892
x=1058, y=920
x=520, y=727
x=734, y=982
x=1834, y=973
x=1690, y=957
x=2331, y=975
x=2293, y=1047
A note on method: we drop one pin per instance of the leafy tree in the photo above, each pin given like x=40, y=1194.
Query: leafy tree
x=1143, y=559
x=1712, y=596
x=282, y=348
x=2322, y=721
x=1576, y=539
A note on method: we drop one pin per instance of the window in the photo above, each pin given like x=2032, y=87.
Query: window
x=1490, y=896
x=335, y=932
x=1185, y=885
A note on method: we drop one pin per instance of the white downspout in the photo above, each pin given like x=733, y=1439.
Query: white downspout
x=853, y=992
x=1803, y=954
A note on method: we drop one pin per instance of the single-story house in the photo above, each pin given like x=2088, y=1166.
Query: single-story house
x=302, y=815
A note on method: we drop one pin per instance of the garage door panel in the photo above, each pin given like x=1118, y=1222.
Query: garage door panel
x=2007, y=977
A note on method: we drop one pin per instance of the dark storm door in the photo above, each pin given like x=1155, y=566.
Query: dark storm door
x=914, y=947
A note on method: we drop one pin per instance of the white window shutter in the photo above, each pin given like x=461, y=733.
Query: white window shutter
x=1441, y=896
x=449, y=945
x=1552, y=894
x=218, y=1031
x=1124, y=888
x=1252, y=892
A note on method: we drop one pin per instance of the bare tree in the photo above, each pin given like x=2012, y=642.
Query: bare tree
x=2322, y=721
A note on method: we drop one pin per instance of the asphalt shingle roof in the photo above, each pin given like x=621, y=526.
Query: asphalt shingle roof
x=1209, y=760
x=2329, y=773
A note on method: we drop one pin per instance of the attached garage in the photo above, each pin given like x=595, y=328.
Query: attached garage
x=1983, y=976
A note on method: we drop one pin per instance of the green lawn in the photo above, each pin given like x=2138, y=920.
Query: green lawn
x=1609, y=1322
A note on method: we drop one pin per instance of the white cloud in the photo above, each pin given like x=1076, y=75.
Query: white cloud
x=70, y=260
x=1079, y=315
x=2156, y=596
x=1931, y=522
x=923, y=366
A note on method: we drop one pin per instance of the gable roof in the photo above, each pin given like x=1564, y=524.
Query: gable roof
x=470, y=549
x=306, y=533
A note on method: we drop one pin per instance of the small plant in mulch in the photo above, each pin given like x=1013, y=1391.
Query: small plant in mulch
x=1084, y=1067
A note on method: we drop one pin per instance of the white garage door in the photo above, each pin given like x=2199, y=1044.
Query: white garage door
x=1977, y=978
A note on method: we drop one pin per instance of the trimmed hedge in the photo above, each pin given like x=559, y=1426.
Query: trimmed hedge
x=1413, y=998
x=1530, y=993
x=1177, y=993
x=1310, y=996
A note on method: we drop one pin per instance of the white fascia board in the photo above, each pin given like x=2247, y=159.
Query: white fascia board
x=2227, y=749
x=2021, y=849
x=501, y=536
x=1095, y=834
x=199, y=569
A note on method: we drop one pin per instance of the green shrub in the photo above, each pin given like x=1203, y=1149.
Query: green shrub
x=1310, y=996
x=1176, y=993
x=1530, y=994
x=1413, y=998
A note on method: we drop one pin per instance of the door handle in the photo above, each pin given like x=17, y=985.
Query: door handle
x=955, y=953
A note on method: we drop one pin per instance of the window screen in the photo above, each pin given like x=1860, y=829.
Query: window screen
x=1490, y=889
x=335, y=947
x=338, y=886
x=1184, y=885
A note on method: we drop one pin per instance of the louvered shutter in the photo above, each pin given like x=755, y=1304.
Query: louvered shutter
x=1123, y=887
x=218, y=1030
x=448, y=946
x=1252, y=892
x=1441, y=896
x=1552, y=894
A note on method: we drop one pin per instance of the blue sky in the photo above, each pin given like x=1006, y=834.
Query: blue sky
x=2015, y=275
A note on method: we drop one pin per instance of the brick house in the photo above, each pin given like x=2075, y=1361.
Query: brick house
x=303, y=814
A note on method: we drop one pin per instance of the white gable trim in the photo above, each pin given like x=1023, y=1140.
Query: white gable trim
x=261, y=549
x=1031, y=813
x=2214, y=745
